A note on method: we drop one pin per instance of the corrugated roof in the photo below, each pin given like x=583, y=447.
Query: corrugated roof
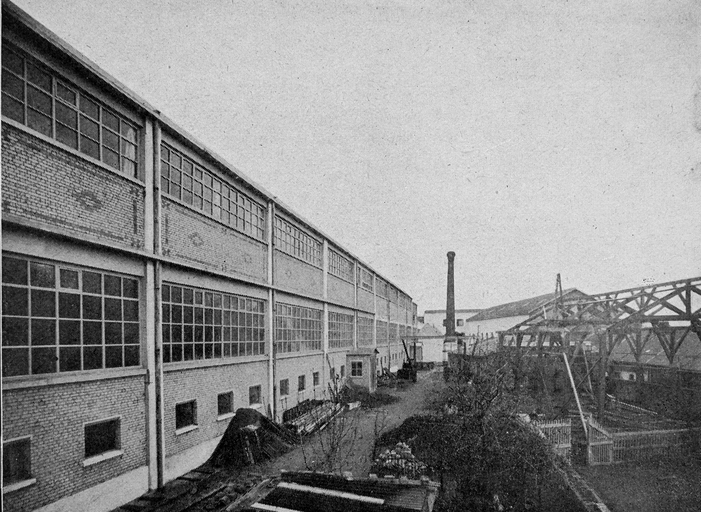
x=521, y=307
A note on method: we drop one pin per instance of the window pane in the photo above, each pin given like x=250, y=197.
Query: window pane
x=113, y=286
x=110, y=120
x=69, y=279
x=12, y=61
x=69, y=332
x=12, y=85
x=128, y=167
x=43, y=332
x=69, y=359
x=65, y=94
x=39, y=100
x=131, y=310
x=43, y=303
x=113, y=357
x=131, y=288
x=14, y=271
x=92, y=282
x=42, y=275
x=15, y=331
x=39, y=122
x=89, y=108
x=131, y=333
x=15, y=362
x=129, y=150
x=43, y=360
x=92, y=333
x=67, y=136
x=68, y=305
x=89, y=147
x=14, y=301
x=131, y=356
x=12, y=109
x=111, y=140
x=38, y=77
x=89, y=128
x=92, y=358
x=129, y=132
x=92, y=307
x=113, y=333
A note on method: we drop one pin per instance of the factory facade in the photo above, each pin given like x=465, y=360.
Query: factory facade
x=150, y=289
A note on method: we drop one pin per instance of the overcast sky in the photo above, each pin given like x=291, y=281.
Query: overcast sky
x=530, y=137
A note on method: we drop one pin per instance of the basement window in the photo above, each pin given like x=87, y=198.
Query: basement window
x=356, y=368
x=315, y=378
x=102, y=441
x=225, y=404
x=301, y=383
x=185, y=417
x=284, y=387
x=16, y=464
x=343, y=370
x=254, y=395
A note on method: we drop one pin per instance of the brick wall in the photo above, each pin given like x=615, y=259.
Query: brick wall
x=341, y=291
x=204, y=384
x=193, y=237
x=366, y=301
x=54, y=417
x=297, y=276
x=43, y=182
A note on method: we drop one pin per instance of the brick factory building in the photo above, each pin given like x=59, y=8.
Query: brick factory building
x=149, y=289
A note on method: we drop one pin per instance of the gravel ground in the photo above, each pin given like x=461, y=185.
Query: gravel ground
x=414, y=398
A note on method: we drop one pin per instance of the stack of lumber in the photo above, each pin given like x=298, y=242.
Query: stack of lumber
x=314, y=419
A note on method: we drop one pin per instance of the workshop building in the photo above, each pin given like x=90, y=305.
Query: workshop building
x=150, y=289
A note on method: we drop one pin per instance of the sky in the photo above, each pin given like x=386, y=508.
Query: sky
x=530, y=137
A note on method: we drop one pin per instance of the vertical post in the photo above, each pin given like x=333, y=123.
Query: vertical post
x=270, y=239
x=149, y=308
x=604, y=342
x=325, y=279
x=158, y=331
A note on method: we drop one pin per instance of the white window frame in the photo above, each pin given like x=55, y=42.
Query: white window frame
x=20, y=484
x=192, y=426
x=229, y=414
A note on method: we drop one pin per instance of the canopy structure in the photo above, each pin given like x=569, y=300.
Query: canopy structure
x=604, y=321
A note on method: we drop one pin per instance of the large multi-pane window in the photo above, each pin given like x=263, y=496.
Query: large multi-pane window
x=340, y=266
x=202, y=324
x=340, y=330
x=295, y=242
x=382, y=288
x=365, y=331
x=298, y=329
x=196, y=186
x=365, y=279
x=35, y=97
x=61, y=318
x=381, y=332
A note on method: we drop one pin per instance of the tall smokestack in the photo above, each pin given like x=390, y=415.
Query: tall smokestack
x=450, y=305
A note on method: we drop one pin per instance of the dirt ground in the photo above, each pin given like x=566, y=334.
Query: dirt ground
x=656, y=486
x=414, y=398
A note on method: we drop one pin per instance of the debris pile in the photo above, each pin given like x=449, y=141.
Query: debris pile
x=314, y=419
x=251, y=438
x=399, y=461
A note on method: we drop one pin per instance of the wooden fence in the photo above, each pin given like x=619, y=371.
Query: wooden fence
x=599, y=443
x=653, y=444
x=559, y=435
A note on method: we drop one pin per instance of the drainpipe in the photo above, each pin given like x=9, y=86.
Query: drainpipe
x=158, y=331
x=272, y=388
